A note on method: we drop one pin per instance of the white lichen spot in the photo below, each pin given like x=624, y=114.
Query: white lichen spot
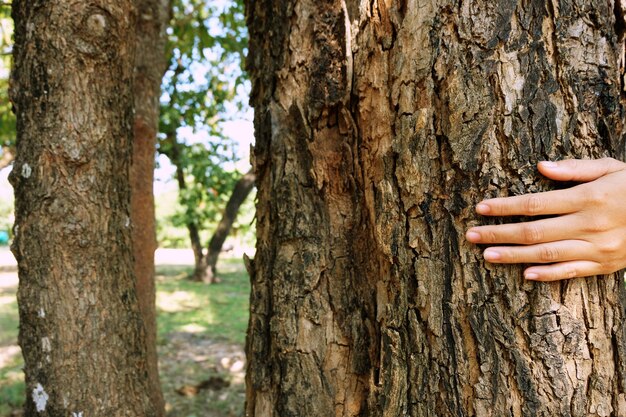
x=40, y=398
x=97, y=24
x=26, y=171
x=127, y=222
x=41, y=313
x=45, y=344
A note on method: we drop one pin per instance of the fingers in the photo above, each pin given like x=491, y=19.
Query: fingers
x=527, y=233
x=582, y=170
x=550, y=202
x=563, y=270
x=558, y=201
x=565, y=250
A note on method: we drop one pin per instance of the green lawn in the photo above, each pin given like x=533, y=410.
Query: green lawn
x=201, y=334
x=11, y=377
x=219, y=311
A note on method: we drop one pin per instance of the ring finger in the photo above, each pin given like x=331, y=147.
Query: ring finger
x=561, y=251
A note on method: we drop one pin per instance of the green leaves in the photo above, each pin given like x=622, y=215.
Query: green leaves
x=207, y=43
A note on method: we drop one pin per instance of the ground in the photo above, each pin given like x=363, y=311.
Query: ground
x=201, y=335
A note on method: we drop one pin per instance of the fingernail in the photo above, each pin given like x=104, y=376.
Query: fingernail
x=491, y=255
x=531, y=275
x=483, y=209
x=549, y=164
x=473, y=236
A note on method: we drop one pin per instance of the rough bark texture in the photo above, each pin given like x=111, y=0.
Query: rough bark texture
x=81, y=331
x=379, y=126
x=240, y=193
x=150, y=64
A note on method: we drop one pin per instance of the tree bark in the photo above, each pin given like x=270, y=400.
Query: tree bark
x=81, y=330
x=150, y=64
x=379, y=126
x=240, y=193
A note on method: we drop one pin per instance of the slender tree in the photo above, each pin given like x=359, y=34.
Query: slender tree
x=81, y=330
x=240, y=192
x=379, y=126
x=150, y=65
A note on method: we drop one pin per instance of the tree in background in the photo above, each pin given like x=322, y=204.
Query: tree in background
x=379, y=126
x=153, y=17
x=151, y=61
x=81, y=330
x=201, y=87
x=240, y=192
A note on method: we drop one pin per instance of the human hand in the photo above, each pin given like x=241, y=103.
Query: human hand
x=588, y=235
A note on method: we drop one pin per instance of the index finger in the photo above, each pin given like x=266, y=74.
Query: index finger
x=549, y=202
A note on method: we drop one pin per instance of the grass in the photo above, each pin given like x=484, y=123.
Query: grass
x=219, y=311
x=201, y=334
x=11, y=377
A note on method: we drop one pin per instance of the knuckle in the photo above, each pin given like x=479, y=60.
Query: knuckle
x=597, y=225
x=596, y=197
x=609, y=266
x=531, y=233
x=490, y=236
x=549, y=254
x=613, y=164
x=534, y=204
x=511, y=256
x=611, y=247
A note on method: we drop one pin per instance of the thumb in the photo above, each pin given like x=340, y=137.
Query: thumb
x=581, y=170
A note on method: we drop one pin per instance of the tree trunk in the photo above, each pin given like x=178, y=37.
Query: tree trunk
x=150, y=64
x=173, y=154
x=81, y=330
x=379, y=126
x=240, y=193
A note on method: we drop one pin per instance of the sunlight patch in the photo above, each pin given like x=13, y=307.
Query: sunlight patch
x=177, y=301
x=6, y=300
x=8, y=355
x=193, y=328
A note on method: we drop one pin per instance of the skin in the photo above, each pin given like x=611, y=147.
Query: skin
x=586, y=235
